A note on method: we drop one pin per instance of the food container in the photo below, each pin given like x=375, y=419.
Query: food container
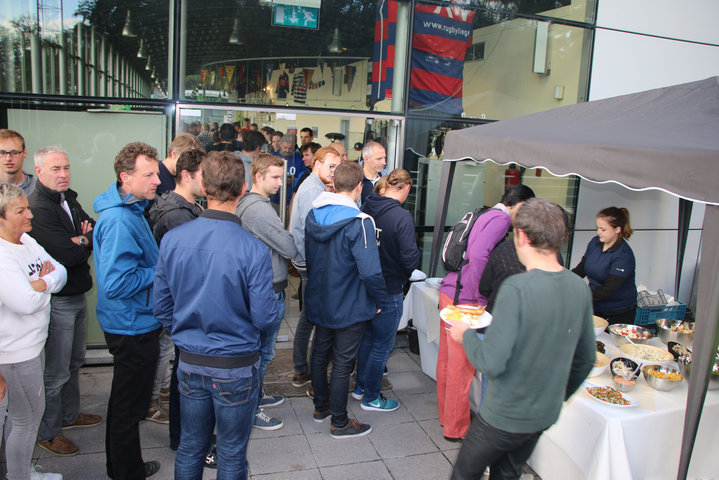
x=600, y=325
x=664, y=330
x=601, y=364
x=624, y=384
x=646, y=354
x=685, y=368
x=678, y=350
x=621, y=366
x=663, y=384
x=637, y=334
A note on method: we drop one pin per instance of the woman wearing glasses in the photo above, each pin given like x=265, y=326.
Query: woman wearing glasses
x=29, y=277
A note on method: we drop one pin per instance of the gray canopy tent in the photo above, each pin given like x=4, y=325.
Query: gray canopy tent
x=664, y=139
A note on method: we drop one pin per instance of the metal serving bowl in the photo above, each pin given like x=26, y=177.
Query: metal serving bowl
x=664, y=326
x=662, y=384
x=622, y=340
x=624, y=387
x=685, y=368
x=631, y=364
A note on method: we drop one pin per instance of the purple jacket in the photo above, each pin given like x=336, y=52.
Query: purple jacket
x=490, y=229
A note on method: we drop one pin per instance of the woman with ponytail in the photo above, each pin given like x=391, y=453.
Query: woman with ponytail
x=609, y=265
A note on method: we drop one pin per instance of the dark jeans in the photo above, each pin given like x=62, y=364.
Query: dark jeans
x=485, y=446
x=376, y=347
x=302, y=334
x=174, y=413
x=135, y=360
x=340, y=346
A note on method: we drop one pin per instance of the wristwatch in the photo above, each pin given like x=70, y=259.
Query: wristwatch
x=83, y=241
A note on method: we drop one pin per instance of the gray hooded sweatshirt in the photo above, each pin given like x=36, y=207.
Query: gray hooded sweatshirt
x=259, y=218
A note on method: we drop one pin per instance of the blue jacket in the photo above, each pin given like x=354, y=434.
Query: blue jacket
x=213, y=286
x=398, y=252
x=345, y=283
x=618, y=260
x=125, y=258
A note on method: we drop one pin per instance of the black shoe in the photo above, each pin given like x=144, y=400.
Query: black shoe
x=211, y=459
x=453, y=439
x=385, y=372
x=151, y=468
x=320, y=417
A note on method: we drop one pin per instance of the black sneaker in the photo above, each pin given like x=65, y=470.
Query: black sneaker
x=151, y=467
x=385, y=372
x=351, y=430
x=320, y=417
x=211, y=459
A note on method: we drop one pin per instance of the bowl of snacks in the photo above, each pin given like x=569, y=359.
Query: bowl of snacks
x=675, y=331
x=685, y=368
x=646, y=354
x=662, y=378
x=601, y=363
x=601, y=348
x=624, y=373
x=635, y=333
x=600, y=325
x=678, y=350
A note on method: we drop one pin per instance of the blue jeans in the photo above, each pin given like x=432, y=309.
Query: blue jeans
x=376, y=347
x=302, y=333
x=268, y=338
x=64, y=355
x=340, y=346
x=232, y=402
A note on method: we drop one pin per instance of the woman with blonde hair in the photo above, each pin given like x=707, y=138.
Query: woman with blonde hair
x=29, y=277
x=609, y=265
x=399, y=256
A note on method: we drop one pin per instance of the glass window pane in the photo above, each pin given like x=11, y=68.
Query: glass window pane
x=488, y=64
x=85, y=48
x=262, y=54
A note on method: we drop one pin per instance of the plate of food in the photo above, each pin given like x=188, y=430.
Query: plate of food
x=609, y=396
x=473, y=316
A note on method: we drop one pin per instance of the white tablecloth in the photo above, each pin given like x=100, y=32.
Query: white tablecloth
x=594, y=441
x=421, y=305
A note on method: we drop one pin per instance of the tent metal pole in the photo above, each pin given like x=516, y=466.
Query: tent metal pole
x=706, y=339
x=685, y=216
x=445, y=187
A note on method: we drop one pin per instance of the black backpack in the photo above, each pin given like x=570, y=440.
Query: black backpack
x=455, y=246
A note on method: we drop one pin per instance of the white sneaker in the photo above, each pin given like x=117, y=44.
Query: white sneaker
x=35, y=475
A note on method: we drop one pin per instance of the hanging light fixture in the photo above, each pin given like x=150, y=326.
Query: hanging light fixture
x=335, y=46
x=148, y=67
x=129, y=29
x=141, y=53
x=235, y=35
x=152, y=75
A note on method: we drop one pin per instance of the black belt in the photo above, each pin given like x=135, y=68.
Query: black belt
x=219, y=362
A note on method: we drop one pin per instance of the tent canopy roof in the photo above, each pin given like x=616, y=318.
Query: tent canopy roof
x=664, y=139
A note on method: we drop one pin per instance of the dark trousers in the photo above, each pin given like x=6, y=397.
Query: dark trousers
x=340, y=346
x=622, y=316
x=175, y=419
x=485, y=446
x=135, y=360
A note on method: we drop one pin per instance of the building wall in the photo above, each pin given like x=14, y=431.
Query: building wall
x=640, y=45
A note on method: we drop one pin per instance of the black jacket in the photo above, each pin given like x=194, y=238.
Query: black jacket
x=398, y=252
x=169, y=211
x=52, y=228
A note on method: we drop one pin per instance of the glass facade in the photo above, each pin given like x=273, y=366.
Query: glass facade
x=404, y=73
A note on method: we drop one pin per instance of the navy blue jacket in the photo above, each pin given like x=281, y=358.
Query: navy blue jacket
x=398, y=252
x=213, y=286
x=617, y=261
x=345, y=283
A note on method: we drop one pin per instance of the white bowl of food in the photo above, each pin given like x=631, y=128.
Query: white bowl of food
x=646, y=354
x=600, y=325
x=601, y=364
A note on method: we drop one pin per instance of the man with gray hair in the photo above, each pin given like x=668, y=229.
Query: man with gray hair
x=64, y=230
x=375, y=159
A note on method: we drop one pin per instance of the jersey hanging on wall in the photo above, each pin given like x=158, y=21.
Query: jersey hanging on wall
x=442, y=36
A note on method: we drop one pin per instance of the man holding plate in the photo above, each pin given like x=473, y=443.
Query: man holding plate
x=536, y=352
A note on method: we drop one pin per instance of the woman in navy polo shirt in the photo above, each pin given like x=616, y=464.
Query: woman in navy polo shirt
x=609, y=265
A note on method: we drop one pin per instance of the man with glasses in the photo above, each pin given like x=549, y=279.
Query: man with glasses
x=324, y=163
x=12, y=155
